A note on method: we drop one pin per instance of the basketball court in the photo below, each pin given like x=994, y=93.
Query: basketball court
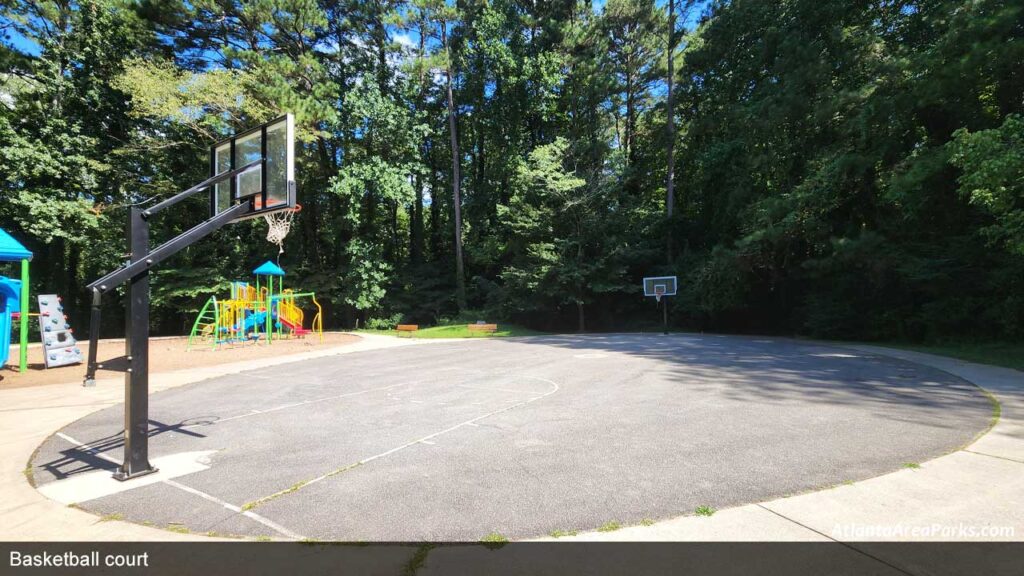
x=520, y=437
x=457, y=440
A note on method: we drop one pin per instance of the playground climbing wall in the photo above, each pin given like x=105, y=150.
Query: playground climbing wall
x=59, y=345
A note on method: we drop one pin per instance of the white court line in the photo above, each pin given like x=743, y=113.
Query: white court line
x=296, y=404
x=85, y=447
x=496, y=389
x=247, y=513
x=423, y=440
x=254, y=516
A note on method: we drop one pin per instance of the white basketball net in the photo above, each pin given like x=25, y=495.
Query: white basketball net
x=278, y=226
x=659, y=291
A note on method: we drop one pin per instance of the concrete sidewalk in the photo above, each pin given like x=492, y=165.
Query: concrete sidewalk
x=29, y=415
x=973, y=494
x=976, y=488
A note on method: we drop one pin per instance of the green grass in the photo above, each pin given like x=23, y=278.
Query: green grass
x=561, y=533
x=911, y=465
x=494, y=537
x=704, y=510
x=610, y=527
x=460, y=331
x=1005, y=354
x=294, y=488
x=647, y=522
x=418, y=560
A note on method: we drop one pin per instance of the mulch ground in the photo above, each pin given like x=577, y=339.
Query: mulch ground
x=165, y=355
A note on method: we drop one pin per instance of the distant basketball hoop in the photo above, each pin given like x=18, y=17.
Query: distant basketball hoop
x=659, y=287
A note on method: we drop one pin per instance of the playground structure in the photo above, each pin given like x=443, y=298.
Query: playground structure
x=14, y=299
x=59, y=345
x=254, y=312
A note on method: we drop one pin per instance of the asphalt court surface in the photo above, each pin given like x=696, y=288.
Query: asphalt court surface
x=520, y=437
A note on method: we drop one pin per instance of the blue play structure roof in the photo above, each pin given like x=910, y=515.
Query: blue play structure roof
x=268, y=268
x=12, y=251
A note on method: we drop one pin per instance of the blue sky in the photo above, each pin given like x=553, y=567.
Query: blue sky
x=22, y=44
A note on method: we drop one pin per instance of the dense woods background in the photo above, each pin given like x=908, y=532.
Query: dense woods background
x=840, y=169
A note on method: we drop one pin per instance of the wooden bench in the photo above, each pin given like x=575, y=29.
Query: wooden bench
x=408, y=328
x=485, y=328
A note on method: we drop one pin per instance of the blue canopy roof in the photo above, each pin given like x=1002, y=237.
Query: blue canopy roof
x=12, y=251
x=268, y=268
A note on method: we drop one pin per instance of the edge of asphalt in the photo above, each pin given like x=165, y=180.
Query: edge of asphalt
x=30, y=415
x=971, y=494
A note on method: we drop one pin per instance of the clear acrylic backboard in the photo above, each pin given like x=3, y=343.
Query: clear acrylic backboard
x=270, y=185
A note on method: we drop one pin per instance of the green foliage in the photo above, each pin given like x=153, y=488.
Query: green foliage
x=461, y=331
x=388, y=323
x=843, y=169
x=993, y=177
x=551, y=219
x=704, y=511
x=198, y=100
x=364, y=282
x=820, y=157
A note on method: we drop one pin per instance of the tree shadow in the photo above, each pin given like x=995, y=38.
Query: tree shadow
x=777, y=371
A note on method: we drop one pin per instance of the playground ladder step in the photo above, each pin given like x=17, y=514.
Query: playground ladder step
x=206, y=322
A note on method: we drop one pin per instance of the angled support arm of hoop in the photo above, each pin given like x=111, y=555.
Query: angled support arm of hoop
x=205, y=184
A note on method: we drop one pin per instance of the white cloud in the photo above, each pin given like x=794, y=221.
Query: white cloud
x=405, y=40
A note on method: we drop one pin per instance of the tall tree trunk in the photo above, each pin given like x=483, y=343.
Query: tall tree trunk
x=393, y=253
x=435, y=217
x=630, y=121
x=579, y=316
x=416, y=223
x=417, y=242
x=72, y=297
x=380, y=39
x=460, y=272
x=670, y=193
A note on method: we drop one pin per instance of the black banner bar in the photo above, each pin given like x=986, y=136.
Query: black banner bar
x=498, y=559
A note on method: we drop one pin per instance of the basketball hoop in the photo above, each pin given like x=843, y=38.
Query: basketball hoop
x=279, y=224
x=659, y=287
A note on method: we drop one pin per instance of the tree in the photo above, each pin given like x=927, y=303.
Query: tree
x=460, y=269
x=62, y=124
x=850, y=169
x=631, y=28
x=670, y=117
x=993, y=177
x=555, y=226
